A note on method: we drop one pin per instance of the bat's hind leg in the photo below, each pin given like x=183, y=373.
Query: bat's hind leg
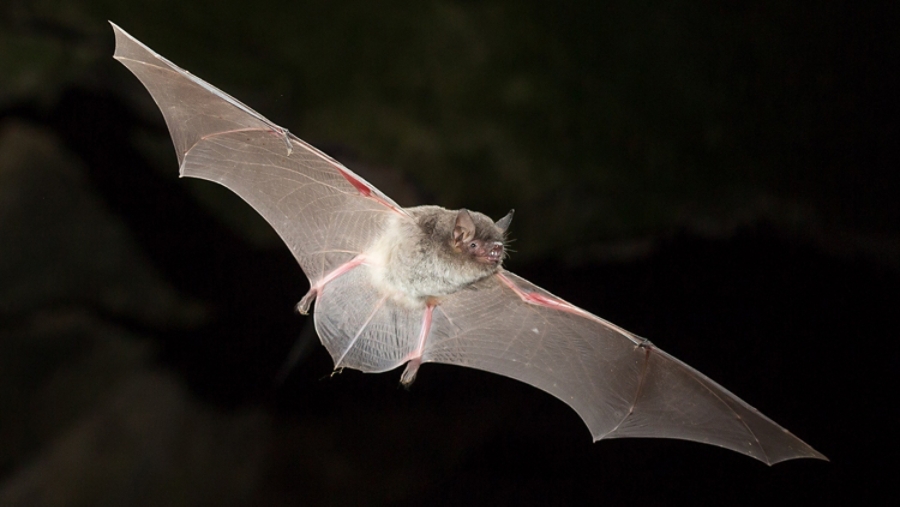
x=315, y=288
x=415, y=357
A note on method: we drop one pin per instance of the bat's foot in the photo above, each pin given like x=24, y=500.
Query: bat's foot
x=304, y=304
x=409, y=374
x=415, y=357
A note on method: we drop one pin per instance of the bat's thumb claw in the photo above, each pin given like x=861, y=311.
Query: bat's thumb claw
x=287, y=139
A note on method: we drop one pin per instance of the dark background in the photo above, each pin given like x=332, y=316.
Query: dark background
x=721, y=180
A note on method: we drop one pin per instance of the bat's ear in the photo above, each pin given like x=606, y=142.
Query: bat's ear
x=464, y=230
x=503, y=223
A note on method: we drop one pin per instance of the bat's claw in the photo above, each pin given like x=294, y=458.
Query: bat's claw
x=287, y=140
x=409, y=374
x=645, y=343
x=304, y=304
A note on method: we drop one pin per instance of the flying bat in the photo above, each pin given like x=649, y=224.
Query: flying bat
x=391, y=286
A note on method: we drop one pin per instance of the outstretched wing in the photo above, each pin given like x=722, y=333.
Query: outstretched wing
x=620, y=384
x=325, y=213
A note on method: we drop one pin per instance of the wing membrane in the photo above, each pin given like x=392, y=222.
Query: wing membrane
x=620, y=385
x=323, y=211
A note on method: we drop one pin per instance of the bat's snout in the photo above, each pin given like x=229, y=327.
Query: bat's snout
x=495, y=253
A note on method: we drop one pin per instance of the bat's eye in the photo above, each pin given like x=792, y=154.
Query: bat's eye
x=473, y=245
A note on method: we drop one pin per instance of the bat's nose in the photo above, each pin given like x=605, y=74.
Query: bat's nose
x=496, y=252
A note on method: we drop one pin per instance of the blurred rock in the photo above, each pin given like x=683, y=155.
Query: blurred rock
x=86, y=417
x=146, y=443
x=55, y=366
x=61, y=247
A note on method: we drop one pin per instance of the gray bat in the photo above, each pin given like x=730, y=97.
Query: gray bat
x=395, y=286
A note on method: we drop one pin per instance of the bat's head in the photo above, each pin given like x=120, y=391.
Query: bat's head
x=480, y=238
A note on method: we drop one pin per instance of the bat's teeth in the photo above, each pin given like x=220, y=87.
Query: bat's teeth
x=496, y=251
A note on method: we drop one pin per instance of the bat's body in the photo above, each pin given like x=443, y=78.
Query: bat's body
x=395, y=286
x=418, y=257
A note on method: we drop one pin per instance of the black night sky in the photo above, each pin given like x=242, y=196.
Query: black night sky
x=721, y=180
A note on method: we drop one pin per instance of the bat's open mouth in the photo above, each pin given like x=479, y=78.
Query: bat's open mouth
x=495, y=253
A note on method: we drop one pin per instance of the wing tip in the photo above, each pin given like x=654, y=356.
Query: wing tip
x=814, y=455
x=121, y=36
x=806, y=452
x=125, y=39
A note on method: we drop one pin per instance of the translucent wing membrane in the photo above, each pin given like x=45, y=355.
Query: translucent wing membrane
x=620, y=385
x=324, y=212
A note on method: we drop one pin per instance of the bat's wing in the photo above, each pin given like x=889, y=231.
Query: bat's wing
x=325, y=213
x=620, y=384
